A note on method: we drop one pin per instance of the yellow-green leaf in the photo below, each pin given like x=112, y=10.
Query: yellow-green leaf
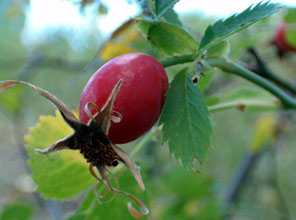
x=66, y=175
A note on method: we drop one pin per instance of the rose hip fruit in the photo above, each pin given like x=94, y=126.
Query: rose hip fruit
x=139, y=100
x=280, y=38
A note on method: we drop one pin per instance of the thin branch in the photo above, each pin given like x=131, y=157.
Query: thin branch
x=233, y=68
x=263, y=70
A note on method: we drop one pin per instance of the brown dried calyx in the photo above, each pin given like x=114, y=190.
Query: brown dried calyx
x=91, y=140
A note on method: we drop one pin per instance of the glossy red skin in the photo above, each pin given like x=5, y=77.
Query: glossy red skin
x=280, y=38
x=139, y=100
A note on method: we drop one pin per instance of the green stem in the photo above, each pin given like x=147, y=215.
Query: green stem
x=233, y=68
x=241, y=105
x=144, y=141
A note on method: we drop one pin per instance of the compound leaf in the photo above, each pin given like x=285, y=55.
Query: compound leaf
x=237, y=22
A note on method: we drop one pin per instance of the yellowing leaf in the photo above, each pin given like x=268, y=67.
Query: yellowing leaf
x=264, y=132
x=119, y=42
x=112, y=50
x=66, y=175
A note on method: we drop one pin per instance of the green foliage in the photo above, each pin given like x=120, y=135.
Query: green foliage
x=290, y=16
x=162, y=6
x=68, y=174
x=251, y=100
x=185, y=120
x=172, y=17
x=205, y=81
x=221, y=49
x=11, y=103
x=195, y=196
x=291, y=34
x=91, y=210
x=169, y=38
x=17, y=212
x=176, y=194
x=237, y=22
x=290, y=19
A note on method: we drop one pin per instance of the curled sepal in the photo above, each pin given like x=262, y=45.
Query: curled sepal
x=59, y=145
x=99, y=197
x=87, y=111
x=125, y=158
x=132, y=210
x=66, y=113
x=104, y=117
x=143, y=209
x=116, y=117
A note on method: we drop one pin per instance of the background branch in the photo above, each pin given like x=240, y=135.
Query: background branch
x=262, y=69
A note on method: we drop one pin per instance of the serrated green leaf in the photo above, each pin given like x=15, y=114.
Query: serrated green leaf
x=91, y=210
x=169, y=38
x=185, y=120
x=162, y=6
x=221, y=49
x=237, y=22
x=65, y=176
x=172, y=17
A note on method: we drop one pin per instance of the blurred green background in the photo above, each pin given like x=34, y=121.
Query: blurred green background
x=62, y=60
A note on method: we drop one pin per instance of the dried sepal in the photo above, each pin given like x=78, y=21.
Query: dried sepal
x=104, y=117
x=99, y=197
x=143, y=209
x=59, y=145
x=117, y=117
x=66, y=113
x=132, y=210
x=108, y=184
x=102, y=120
x=88, y=112
x=130, y=165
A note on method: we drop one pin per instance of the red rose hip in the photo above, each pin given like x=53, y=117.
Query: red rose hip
x=139, y=100
x=280, y=38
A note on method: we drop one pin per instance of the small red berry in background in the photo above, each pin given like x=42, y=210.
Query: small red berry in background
x=140, y=99
x=280, y=39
